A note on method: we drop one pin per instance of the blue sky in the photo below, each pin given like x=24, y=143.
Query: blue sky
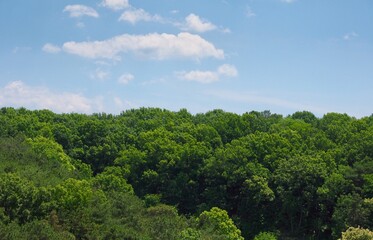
x=243, y=55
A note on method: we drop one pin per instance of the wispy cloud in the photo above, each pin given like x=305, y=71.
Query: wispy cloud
x=123, y=104
x=224, y=70
x=196, y=24
x=18, y=94
x=151, y=46
x=136, y=15
x=254, y=98
x=249, y=12
x=100, y=74
x=350, y=36
x=288, y=1
x=154, y=82
x=125, y=78
x=115, y=4
x=80, y=11
x=21, y=49
x=191, y=23
x=80, y=25
x=199, y=76
x=50, y=48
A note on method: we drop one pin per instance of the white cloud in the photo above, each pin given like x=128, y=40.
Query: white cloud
x=50, y=48
x=135, y=15
x=80, y=10
x=115, y=4
x=125, y=78
x=102, y=63
x=18, y=94
x=152, y=46
x=228, y=70
x=350, y=36
x=196, y=24
x=209, y=76
x=288, y=1
x=200, y=76
x=100, y=74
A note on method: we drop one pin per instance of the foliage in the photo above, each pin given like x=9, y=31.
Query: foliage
x=357, y=234
x=218, y=221
x=265, y=236
x=150, y=173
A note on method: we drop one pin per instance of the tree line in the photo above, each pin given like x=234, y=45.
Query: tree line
x=151, y=173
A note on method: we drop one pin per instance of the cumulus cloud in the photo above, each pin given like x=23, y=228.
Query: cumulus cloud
x=50, y=48
x=80, y=10
x=196, y=24
x=152, y=46
x=224, y=70
x=18, y=94
x=125, y=78
x=115, y=4
x=136, y=15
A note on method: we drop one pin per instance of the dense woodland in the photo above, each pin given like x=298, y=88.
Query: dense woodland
x=156, y=174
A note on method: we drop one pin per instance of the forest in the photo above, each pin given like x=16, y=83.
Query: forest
x=151, y=173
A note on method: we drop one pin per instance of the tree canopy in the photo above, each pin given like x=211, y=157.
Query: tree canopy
x=151, y=173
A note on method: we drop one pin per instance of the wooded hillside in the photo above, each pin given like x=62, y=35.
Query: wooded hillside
x=156, y=174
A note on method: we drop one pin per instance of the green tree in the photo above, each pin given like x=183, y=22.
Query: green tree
x=17, y=198
x=297, y=180
x=163, y=222
x=112, y=179
x=351, y=211
x=218, y=222
x=265, y=236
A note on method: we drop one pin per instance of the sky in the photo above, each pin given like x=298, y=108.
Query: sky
x=90, y=56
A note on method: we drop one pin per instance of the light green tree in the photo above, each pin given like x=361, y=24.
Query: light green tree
x=357, y=234
x=218, y=221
